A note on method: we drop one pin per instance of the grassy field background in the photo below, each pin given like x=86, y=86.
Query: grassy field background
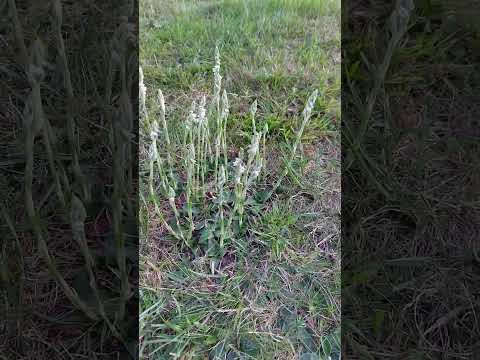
x=410, y=203
x=276, y=292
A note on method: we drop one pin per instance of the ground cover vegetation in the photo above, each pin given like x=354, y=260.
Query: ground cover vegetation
x=410, y=209
x=68, y=266
x=240, y=201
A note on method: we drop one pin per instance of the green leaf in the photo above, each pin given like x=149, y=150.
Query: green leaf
x=248, y=346
x=261, y=196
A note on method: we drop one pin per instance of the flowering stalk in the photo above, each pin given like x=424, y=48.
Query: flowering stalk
x=190, y=169
x=154, y=198
x=142, y=94
x=221, y=184
x=249, y=177
x=223, y=129
x=307, y=113
x=202, y=144
x=171, y=201
x=238, y=187
x=161, y=102
x=33, y=123
x=79, y=176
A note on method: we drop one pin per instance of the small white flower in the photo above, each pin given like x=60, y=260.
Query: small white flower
x=142, y=90
x=256, y=170
x=202, y=112
x=216, y=74
x=239, y=170
x=237, y=162
x=221, y=177
x=191, y=155
x=151, y=151
x=225, y=105
x=161, y=101
x=154, y=131
x=254, y=146
x=171, y=194
x=310, y=104
x=191, y=118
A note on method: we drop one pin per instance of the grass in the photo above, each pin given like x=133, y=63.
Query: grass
x=274, y=291
x=408, y=139
x=62, y=147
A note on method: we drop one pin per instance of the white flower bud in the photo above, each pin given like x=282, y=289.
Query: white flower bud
x=239, y=170
x=225, y=105
x=171, y=194
x=142, y=90
x=254, y=146
x=216, y=74
x=154, y=131
x=202, y=112
x=221, y=177
x=307, y=112
x=161, y=101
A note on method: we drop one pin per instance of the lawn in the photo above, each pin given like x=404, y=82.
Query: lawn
x=272, y=292
x=410, y=144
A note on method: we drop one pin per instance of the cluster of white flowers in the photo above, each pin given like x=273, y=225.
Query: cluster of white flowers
x=307, y=112
x=161, y=101
x=225, y=105
x=192, y=117
x=201, y=118
x=222, y=177
x=257, y=168
x=254, y=145
x=171, y=195
x=239, y=170
x=216, y=74
x=142, y=91
x=154, y=130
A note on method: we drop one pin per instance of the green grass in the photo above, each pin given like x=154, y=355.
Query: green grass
x=56, y=170
x=275, y=292
x=270, y=50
